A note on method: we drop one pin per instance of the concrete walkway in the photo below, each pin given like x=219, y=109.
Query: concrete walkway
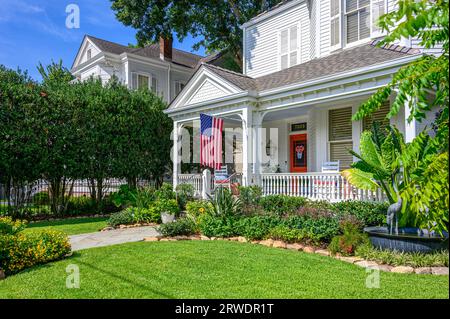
x=111, y=237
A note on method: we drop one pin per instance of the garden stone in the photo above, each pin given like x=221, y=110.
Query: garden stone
x=181, y=237
x=366, y=264
x=202, y=237
x=2, y=274
x=255, y=241
x=350, y=260
x=242, y=239
x=279, y=244
x=386, y=268
x=267, y=242
x=322, y=252
x=194, y=237
x=151, y=239
x=298, y=247
x=164, y=239
x=234, y=238
x=423, y=270
x=403, y=270
x=309, y=249
x=439, y=271
x=213, y=238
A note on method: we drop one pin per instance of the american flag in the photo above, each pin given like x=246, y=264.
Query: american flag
x=211, y=141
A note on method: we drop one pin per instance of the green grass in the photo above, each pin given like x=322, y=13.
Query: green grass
x=212, y=269
x=72, y=226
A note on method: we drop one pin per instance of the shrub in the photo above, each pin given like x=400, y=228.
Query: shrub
x=256, y=227
x=41, y=198
x=168, y=206
x=282, y=205
x=11, y=227
x=347, y=243
x=81, y=205
x=314, y=212
x=143, y=197
x=395, y=258
x=145, y=215
x=185, y=193
x=180, y=227
x=212, y=226
x=224, y=204
x=370, y=213
x=194, y=209
x=124, y=217
x=250, y=197
x=24, y=250
x=287, y=234
x=165, y=192
x=317, y=230
x=124, y=196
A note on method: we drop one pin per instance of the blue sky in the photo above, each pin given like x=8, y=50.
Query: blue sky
x=33, y=31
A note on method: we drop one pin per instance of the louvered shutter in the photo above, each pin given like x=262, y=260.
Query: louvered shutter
x=134, y=81
x=154, y=84
x=335, y=13
x=378, y=116
x=293, y=45
x=340, y=136
x=284, y=48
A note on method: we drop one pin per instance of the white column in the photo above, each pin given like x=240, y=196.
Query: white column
x=206, y=181
x=176, y=153
x=247, y=148
x=410, y=127
x=356, y=132
x=257, y=148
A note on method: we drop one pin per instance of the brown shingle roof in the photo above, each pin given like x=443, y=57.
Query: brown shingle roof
x=151, y=51
x=345, y=60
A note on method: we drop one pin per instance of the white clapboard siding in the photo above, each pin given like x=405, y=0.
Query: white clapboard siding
x=262, y=51
x=324, y=37
x=207, y=91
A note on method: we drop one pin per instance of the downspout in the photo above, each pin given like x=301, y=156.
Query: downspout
x=168, y=83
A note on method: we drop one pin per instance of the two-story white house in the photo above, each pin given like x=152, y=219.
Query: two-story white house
x=159, y=67
x=308, y=65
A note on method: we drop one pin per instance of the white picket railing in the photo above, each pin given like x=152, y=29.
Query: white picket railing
x=318, y=186
x=192, y=179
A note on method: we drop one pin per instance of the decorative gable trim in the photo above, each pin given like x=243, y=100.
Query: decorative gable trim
x=82, y=50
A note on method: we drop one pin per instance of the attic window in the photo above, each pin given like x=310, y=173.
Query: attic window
x=289, y=47
x=89, y=54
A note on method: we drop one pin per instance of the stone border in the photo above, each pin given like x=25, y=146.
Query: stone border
x=108, y=228
x=51, y=219
x=358, y=261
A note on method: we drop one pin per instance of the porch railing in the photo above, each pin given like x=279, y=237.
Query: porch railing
x=317, y=186
x=192, y=179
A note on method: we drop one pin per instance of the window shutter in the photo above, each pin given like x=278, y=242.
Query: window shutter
x=340, y=152
x=154, y=85
x=335, y=12
x=340, y=124
x=378, y=9
x=352, y=27
x=134, y=81
x=284, y=48
x=378, y=116
x=364, y=23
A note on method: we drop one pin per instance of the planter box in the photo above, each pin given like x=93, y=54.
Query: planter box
x=167, y=218
x=407, y=240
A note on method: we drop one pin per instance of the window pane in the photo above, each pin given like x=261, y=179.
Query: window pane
x=143, y=81
x=293, y=57
x=284, y=41
x=284, y=61
x=351, y=5
x=134, y=81
x=335, y=32
x=340, y=124
x=154, y=85
x=364, y=24
x=352, y=27
x=293, y=37
x=378, y=116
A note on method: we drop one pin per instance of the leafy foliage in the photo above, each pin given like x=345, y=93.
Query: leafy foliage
x=224, y=204
x=351, y=239
x=180, y=227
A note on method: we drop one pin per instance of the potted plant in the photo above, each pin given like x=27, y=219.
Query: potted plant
x=168, y=209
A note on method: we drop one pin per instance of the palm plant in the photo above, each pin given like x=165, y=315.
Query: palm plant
x=224, y=204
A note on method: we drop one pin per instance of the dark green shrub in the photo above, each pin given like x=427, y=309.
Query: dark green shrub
x=24, y=250
x=8, y=226
x=180, y=227
x=143, y=197
x=216, y=226
x=287, y=234
x=282, y=205
x=317, y=230
x=41, y=198
x=370, y=213
x=165, y=192
x=145, y=215
x=256, y=227
x=185, y=193
x=124, y=196
x=168, y=206
x=250, y=197
x=125, y=217
x=224, y=204
x=81, y=205
x=351, y=239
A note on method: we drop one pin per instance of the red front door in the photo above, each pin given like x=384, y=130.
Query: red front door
x=298, y=153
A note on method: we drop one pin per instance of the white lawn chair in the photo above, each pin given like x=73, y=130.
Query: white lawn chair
x=330, y=167
x=222, y=178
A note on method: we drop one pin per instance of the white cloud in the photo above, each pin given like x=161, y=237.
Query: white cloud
x=13, y=9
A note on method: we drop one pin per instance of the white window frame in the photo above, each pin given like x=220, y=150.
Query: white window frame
x=289, y=52
x=330, y=142
x=338, y=16
x=358, y=9
x=378, y=33
x=88, y=54
x=178, y=84
x=150, y=81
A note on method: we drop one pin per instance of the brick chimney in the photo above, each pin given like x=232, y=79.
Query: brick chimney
x=165, y=49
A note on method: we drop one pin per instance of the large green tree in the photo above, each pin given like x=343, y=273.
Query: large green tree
x=216, y=22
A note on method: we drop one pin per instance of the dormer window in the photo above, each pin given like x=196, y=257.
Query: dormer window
x=89, y=54
x=357, y=20
x=289, y=47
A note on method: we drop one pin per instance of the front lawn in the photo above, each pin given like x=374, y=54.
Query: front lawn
x=212, y=269
x=72, y=226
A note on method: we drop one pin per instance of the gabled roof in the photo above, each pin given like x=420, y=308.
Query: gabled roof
x=151, y=51
x=346, y=60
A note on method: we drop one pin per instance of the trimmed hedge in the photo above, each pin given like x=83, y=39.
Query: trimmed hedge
x=180, y=227
x=24, y=250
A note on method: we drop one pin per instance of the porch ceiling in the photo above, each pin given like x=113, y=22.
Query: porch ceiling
x=286, y=114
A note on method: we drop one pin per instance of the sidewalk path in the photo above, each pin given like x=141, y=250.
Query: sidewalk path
x=111, y=237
